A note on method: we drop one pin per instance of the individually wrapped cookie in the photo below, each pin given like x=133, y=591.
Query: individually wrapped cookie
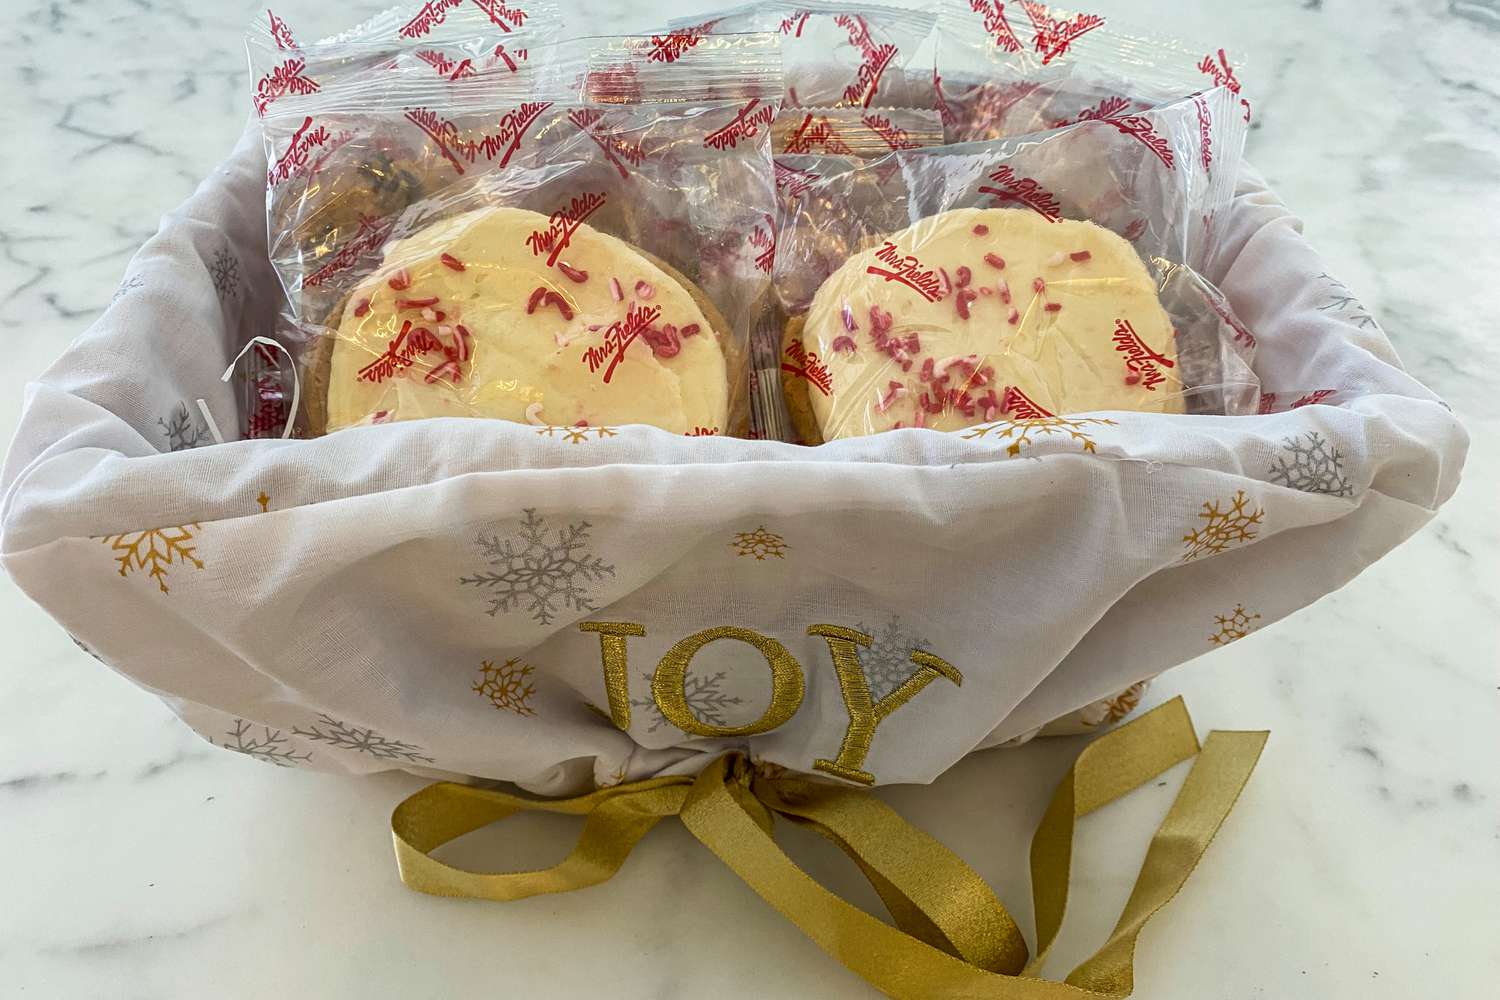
x=851, y=54
x=579, y=246
x=1023, y=279
x=1007, y=69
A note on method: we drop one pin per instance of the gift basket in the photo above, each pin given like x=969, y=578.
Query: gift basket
x=719, y=422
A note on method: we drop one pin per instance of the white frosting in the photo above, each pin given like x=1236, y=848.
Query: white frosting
x=525, y=366
x=1091, y=336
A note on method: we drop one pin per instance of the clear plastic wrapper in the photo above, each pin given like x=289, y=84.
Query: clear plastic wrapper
x=858, y=55
x=453, y=39
x=580, y=246
x=848, y=131
x=1007, y=69
x=1027, y=278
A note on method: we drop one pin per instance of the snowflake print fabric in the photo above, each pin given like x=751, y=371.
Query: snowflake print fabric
x=539, y=572
x=342, y=736
x=264, y=744
x=508, y=686
x=1311, y=464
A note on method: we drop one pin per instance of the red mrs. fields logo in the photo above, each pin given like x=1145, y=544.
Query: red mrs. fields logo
x=747, y=123
x=432, y=14
x=764, y=240
x=1222, y=75
x=907, y=271
x=793, y=25
x=620, y=335
x=501, y=15
x=617, y=149
x=1205, y=133
x=561, y=226
x=280, y=33
x=867, y=80
x=806, y=364
x=298, y=152
x=1140, y=359
x=671, y=46
x=1052, y=37
x=993, y=12
x=371, y=236
x=893, y=136
x=1015, y=190
x=1021, y=406
x=501, y=144
x=446, y=66
x=284, y=79
x=1107, y=108
x=794, y=181
x=812, y=133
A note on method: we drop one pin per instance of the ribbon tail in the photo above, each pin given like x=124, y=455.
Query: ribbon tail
x=1209, y=793
x=614, y=822
x=930, y=892
x=1117, y=762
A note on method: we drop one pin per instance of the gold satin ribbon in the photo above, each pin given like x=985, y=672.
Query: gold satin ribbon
x=952, y=937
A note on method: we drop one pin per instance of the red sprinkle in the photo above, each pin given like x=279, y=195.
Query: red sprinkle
x=848, y=315
x=416, y=303
x=921, y=418
x=691, y=330
x=981, y=230
x=573, y=273
x=361, y=307
x=614, y=290
x=1053, y=307
x=449, y=367
x=1132, y=379
x=536, y=299
x=964, y=276
x=664, y=342
x=986, y=290
x=965, y=296
x=926, y=375
x=463, y=350
x=892, y=393
x=1039, y=285
x=400, y=281
x=1080, y=255
x=947, y=281
x=451, y=261
x=1004, y=287
x=995, y=260
x=844, y=343
x=643, y=289
x=1014, y=317
x=553, y=299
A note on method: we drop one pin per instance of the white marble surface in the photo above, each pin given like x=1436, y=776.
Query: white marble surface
x=1363, y=861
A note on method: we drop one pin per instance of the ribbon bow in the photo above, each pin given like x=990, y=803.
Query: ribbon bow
x=952, y=937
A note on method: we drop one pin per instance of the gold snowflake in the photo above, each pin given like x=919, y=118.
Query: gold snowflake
x=614, y=778
x=1121, y=705
x=1223, y=528
x=1022, y=430
x=1235, y=625
x=577, y=435
x=154, y=551
x=265, y=502
x=506, y=686
x=759, y=543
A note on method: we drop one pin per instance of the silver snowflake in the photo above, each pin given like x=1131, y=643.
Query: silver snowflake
x=270, y=746
x=225, y=273
x=134, y=281
x=1312, y=466
x=705, y=699
x=182, y=431
x=343, y=736
x=549, y=576
x=887, y=660
x=1342, y=301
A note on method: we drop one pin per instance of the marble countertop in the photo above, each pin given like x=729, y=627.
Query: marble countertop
x=1363, y=861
